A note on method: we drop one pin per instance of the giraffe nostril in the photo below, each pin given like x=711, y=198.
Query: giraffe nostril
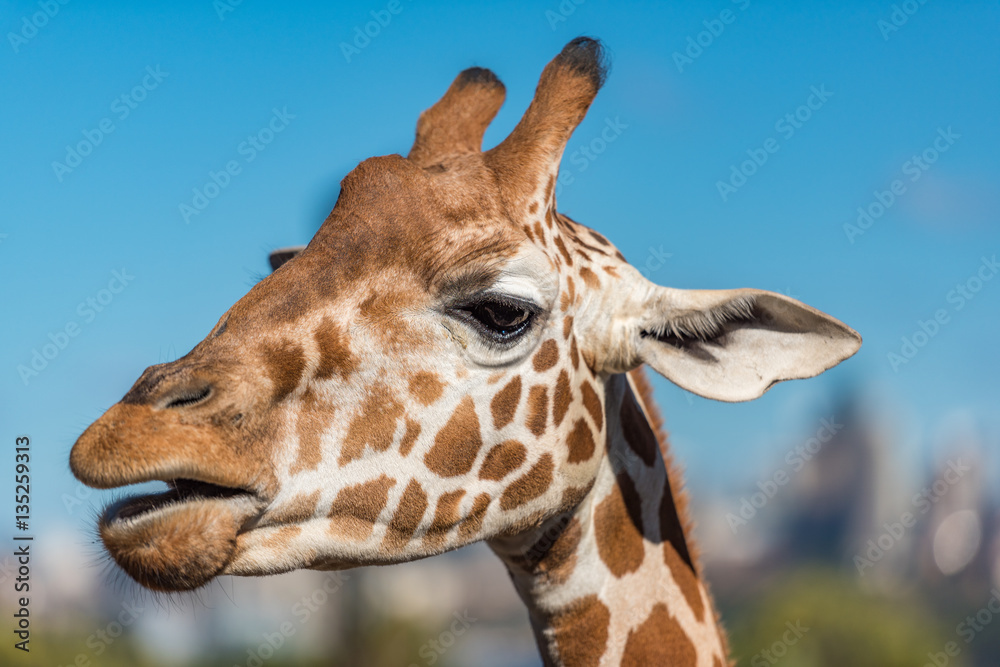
x=188, y=396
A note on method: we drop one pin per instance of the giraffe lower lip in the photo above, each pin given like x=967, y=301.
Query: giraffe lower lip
x=177, y=540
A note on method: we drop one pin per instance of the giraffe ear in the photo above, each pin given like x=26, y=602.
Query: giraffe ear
x=733, y=345
x=282, y=255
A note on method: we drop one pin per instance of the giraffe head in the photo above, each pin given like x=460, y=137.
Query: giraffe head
x=429, y=371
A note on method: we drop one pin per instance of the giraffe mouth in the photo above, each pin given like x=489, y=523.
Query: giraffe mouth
x=179, y=539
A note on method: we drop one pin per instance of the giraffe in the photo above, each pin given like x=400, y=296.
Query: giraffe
x=451, y=360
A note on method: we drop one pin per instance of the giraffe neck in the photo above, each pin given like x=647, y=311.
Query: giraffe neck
x=614, y=581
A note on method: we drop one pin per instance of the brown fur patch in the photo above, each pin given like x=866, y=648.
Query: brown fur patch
x=592, y=402
x=356, y=508
x=502, y=460
x=618, y=531
x=561, y=398
x=473, y=522
x=660, y=640
x=611, y=271
x=426, y=387
x=567, y=326
x=684, y=578
x=280, y=539
x=458, y=442
x=445, y=518
x=580, y=632
x=374, y=425
x=562, y=250
x=504, y=404
x=335, y=356
x=538, y=409
x=560, y=560
x=590, y=278
x=530, y=485
x=580, y=442
x=546, y=357
x=574, y=355
x=285, y=363
x=637, y=432
x=313, y=419
x=412, y=507
x=301, y=507
x=409, y=437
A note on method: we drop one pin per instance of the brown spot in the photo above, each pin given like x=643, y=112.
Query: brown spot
x=356, y=508
x=504, y=404
x=565, y=301
x=539, y=230
x=527, y=231
x=562, y=250
x=280, y=539
x=660, y=640
x=546, y=357
x=590, y=277
x=471, y=524
x=409, y=437
x=611, y=271
x=496, y=377
x=592, y=402
x=445, y=518
x=313, y=419
x=617, y=531
x=426, y=387
x=530, y=485
x=533, y=208
x=285, y=363
x=538, y=409
x=580, y=632
x=567, y=326
x=636, y=429
x=574, y=355
x=549, y=219
x=411, y=510
x=716, y=662
x=549, y=189
x=558, y=563
x=301, y=507
x=374, y=425
x=335, y=356
x=619, y=255
x=571, y=286
x=580, y=442
x=457, y=444
x=600, y=239
x=503, y=459
x=684, y=578
x=561, y=398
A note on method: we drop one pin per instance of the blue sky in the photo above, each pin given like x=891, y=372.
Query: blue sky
x=885, y=96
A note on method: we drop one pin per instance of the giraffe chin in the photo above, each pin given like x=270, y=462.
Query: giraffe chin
x=169, y=542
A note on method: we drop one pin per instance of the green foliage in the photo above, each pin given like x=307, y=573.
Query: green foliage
x=845, y=626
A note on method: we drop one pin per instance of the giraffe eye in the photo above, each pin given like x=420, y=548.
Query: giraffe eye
x=503, y=320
